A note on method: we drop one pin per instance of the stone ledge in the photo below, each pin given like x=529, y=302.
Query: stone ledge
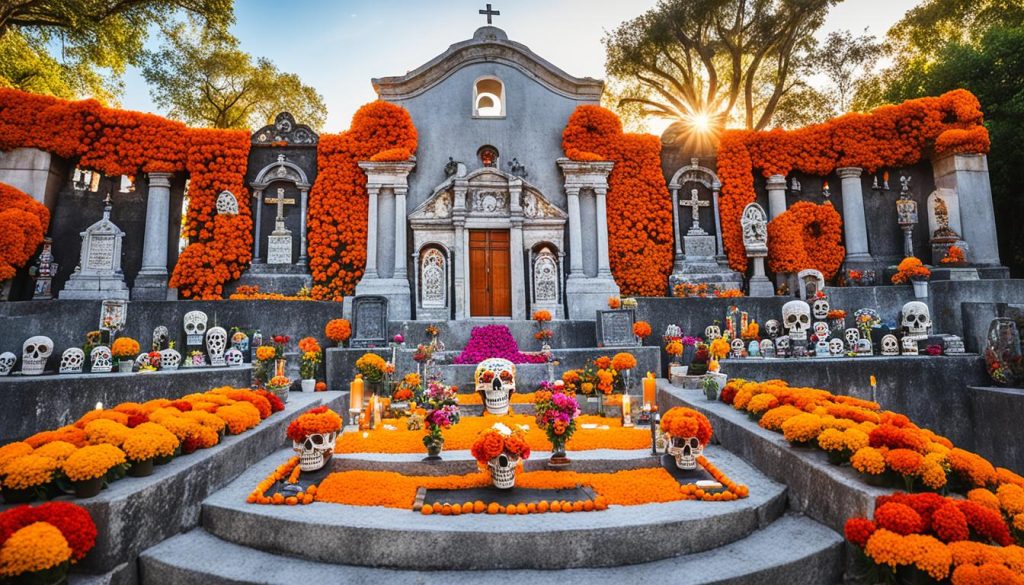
x=135, y=513
x=827, y=493
x=55, y=401
x=402, y=539
x=997, y=414
x=794, y=550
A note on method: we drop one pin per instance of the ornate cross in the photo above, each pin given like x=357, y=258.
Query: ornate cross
x=694, y=203
x=280, y=201
x=490, y=13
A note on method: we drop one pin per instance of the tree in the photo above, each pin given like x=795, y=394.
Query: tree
x=201, y=77
x=96, y=40
x=846, y=61
x=707, y=63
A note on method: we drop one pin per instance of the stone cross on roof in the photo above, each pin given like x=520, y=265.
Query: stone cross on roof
x=490, y=13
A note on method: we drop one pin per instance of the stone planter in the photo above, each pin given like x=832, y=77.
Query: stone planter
x=309, y=385
x=125, y=366
x=920, y=289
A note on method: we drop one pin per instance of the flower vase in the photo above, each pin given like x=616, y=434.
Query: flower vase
x=503, y=471
x=125, y=366
x=434, y=448
x=309, y=385
x=141, y=468
x=558, y=458
x=920, y=289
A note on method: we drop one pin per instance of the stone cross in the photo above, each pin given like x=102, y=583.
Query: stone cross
x=489, y=13
x=694, y=203
x=281, y=201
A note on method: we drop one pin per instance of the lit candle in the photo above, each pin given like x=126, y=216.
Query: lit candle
x=355, y=393
x=627, y=415
x=99, y=406
x=650, y=388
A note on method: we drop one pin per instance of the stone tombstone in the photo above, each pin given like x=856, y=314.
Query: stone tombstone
x=811, y=282
x=369, y=321
x=755, y=230
x=944, y=216
x=98, y=274
x=615, y=328
x=1002, y=352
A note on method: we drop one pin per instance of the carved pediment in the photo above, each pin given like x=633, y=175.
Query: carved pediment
x=286, y=130
x=487, y=192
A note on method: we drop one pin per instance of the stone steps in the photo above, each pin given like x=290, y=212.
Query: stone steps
x=793, y=550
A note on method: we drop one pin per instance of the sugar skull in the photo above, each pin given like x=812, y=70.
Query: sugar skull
x=835, y=347
x=909, y=345
x=852, y=335
x=712, y=332
x=216, y=342
x=233, y=357
x=767, y=348
x=890, y=345
x=796, y=316
x=772, y=328
x=737, y=348
x=820, y=308
x=7, y=361
x=72, y=361
x=170, y=359
x=34, y=353
x=496, y=379
x=821, y=329
x=101, y=358
x=195, y=327
x=916, y=319
x=821, y=348
x=864, y=348
x=240, y=341
x=315, y=451
x=503, y=471
x=782, y=346
x=160, y=337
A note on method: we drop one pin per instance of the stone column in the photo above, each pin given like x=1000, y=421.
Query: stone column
x=518, y=272
x=777, y=196
x=258, y=196
x=677, y=264
x=400, y=266
x=603, y=266
x=304, y=197
x=575, y=236
x=854, y=223
x=718, y=223
x=151, y=281
x=371, y=233
x=968, y=175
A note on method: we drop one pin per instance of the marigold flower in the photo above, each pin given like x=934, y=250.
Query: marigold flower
x=36, y=547
x=859, y=530
x=623, y=361
x=802, y=428
x=320, y=420
x=686, y=422
x=899, y=518
x=338, y=330
x=29, y=471
x=868, y=460
x=950, y=524
x=265, y=353
x=93, y=461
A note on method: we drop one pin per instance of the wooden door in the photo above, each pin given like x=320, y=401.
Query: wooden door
x=490, y=274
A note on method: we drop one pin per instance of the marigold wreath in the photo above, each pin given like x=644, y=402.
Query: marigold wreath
x=806, y=236
x=23, y=223
x=640, y=210
x=889, y=136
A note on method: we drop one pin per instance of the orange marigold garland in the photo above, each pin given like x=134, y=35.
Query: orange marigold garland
x=640, y=237
x=338, y=205
x=23, y=223
x=807, y=236
x=889, y=136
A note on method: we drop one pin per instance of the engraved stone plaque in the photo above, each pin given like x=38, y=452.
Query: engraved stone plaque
x=279, y=249
x=370, y=321
x=615, y=328
x=100, y=253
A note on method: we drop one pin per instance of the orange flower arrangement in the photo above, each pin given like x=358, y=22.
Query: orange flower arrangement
x=92, y=462
x=889, y=136
x=40, y=546
x=910, y=269
x=338, y=330
x=29, y=471
x=642, y=329
x=674, y=348
x=319, y=420
x=614, y=303
x=338, y=203
x=308, y=344
x=719, y=348
x=806, y=236
x=955, y=256
x=623, y=361
x=686, y=422
x=542, y=316
x=640, y=241
x=497, y=440
x=265, y=353
x=125, y=348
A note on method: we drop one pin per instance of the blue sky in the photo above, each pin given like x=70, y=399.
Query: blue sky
x=338, y=46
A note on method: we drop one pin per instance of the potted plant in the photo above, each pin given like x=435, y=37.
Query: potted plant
x=280, y=386
x=442, y=411
x=913, y=270
x=28, y=477
x=500, y=449
x=264, y=367
x=338, y=331
x=43, y=541
x=143, y=446
x=311, y=357
x=124, y=351
x=88, y=468
x=699, y=365
x=556, y=413
x=373, y=368
x=641, y=330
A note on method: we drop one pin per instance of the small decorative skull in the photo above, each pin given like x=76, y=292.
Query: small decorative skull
x=315, y=451
x=216, y=342
x=141, y=359
x=754, y=349
x=782, y=346
x=160, y=337
x=7, y=361
x=796, y=316
x=496, y=379
x=737, y=348
x=835, y=347
x=72, y=361
x=909, y=345
x=821, y=348
x=916, y=320
x=240, y=341
x=233, y=357
x=34, y=353
x=820, y=308
x=686, y=450
x=195, y=327
x=767, y=348
x=890, y=346
x=852, y=335
x=864, y=348
x=170, y=359
x=503, y=471
x=712, y=332
x=821, y=330
x=101, y=358
x=772, y=328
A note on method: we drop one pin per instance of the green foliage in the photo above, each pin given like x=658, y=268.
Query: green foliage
x=201, y=77
x=845, y=60
x=71, y=48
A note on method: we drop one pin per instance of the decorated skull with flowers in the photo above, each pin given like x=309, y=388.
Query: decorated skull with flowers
x=313, y=437
x=689, y=431
x=500, y=449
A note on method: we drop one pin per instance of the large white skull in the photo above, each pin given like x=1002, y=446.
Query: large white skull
x=34, y=353
x=686, y=450
x=767, y=348
x=7, y=361
x=72, y=361
x=503, y=471
x=796, y=316
x=782, y=346
x=195, y=327
x=852, y=335
x=170, y=359
x=916, y=319
x=820, y=309
x=835, y=347
x=233, y=357
x=821, y=329
x=101, y=358
x=737, y=348
x=496, y=379
x=315, y=451
x=909, y=345
x=864, y=347
x=890, y=346
x=216, y=341
x=772, y=328
x=712, y=332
